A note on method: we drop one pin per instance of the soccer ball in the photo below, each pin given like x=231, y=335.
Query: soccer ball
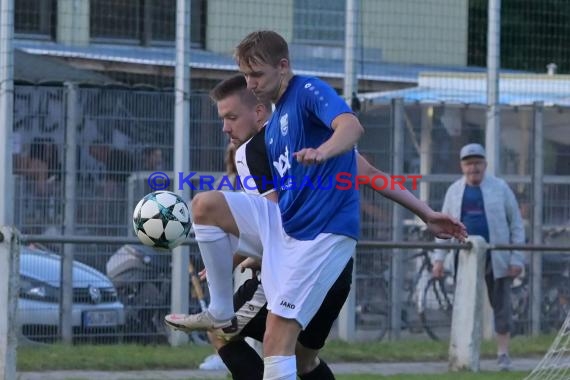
x=162, y=220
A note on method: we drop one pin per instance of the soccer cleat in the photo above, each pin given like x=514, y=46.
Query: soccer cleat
x=504, y=362
x=200, y=321
x=213, y=363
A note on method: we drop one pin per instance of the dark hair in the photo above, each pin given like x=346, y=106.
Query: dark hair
x=264, y=46
x=45, y=149
x=235, y=85
x=147, y=151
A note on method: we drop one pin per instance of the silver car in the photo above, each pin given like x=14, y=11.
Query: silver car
x=96, y=310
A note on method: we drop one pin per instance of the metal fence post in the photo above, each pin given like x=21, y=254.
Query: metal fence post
x=181, y=255
x=6, y=110
x=66, y=304
x=346, y=319
x=350, y=50
x=492, y=131
x=397, y=220
x=537, y=218
x=9, y=276
x=465, y=340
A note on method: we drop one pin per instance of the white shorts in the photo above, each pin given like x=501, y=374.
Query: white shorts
x=296, y=274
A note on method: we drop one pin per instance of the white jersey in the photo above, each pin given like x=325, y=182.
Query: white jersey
x=253, y=166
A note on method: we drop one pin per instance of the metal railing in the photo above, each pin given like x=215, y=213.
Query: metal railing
x=346, y=325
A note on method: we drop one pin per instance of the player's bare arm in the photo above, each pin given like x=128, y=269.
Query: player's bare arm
x=347, y=132
x=441, y=225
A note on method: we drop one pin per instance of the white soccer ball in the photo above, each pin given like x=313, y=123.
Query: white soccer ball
x=162, y=220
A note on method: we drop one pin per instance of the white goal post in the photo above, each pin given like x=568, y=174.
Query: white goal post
x=9, y=277
x=467, y=317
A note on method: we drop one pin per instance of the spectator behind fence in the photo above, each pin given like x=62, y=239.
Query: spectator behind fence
x=39, y=168
x=488, y=208
x=33, y=170
x=112, y=190
x=117, y=163
x=153, y=159
x=46, y=150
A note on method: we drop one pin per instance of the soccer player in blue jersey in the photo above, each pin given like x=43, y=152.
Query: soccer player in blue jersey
x=311, y=134
x=309, y=238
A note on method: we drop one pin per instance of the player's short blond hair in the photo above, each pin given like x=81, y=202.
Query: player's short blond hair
x=262, y=47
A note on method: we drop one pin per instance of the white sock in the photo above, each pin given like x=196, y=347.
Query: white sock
x=280, y=368
x=217, y=254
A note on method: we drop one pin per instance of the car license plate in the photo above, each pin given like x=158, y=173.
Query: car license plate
x=100, y=318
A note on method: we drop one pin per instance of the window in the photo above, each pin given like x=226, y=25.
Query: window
x=319, y=21
x=144, y=21
x=35, y=17
x=115, y=19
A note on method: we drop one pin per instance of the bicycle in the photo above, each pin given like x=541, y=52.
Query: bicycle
x=435, y=301
x=427, y=305
x=555, y=285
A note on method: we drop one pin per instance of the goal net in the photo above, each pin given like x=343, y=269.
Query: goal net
x=554, y=365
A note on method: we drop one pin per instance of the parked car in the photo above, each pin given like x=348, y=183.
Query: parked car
x=96, y=311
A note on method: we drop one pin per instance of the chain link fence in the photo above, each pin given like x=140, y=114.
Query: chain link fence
x=105, y=68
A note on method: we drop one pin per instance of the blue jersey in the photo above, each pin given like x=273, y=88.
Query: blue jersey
x=309, y=200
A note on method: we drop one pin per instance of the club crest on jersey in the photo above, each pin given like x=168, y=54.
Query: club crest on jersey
x=284, y=123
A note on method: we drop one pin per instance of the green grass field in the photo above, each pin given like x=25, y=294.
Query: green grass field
x=136, y=357
x=463, y=376
x=445, y=376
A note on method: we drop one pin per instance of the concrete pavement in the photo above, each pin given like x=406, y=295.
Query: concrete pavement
x=524, y=364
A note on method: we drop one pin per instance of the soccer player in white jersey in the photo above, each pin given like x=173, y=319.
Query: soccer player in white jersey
x=308, y=239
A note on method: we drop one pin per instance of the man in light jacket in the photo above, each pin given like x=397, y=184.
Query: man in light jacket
x=488, y=208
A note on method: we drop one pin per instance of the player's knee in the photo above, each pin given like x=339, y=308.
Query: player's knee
x=204, y=206
x=280, y=336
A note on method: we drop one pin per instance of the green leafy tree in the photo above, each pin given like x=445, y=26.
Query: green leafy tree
x=534, y=33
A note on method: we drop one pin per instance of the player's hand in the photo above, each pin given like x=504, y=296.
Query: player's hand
x=444, y=226
x=250, y=263
x=437, y=270
x=202, y=275
x=514, y=271
x=309, y=156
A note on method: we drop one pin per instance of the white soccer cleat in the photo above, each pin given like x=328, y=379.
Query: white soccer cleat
x=213, y=363
x=200, y=321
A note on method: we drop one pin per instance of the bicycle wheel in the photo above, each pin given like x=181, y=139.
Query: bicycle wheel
x=372, y=309
x=436, y=307
x=520, y=302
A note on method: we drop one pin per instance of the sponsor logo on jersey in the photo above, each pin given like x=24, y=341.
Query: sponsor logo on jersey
x=283, y=164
